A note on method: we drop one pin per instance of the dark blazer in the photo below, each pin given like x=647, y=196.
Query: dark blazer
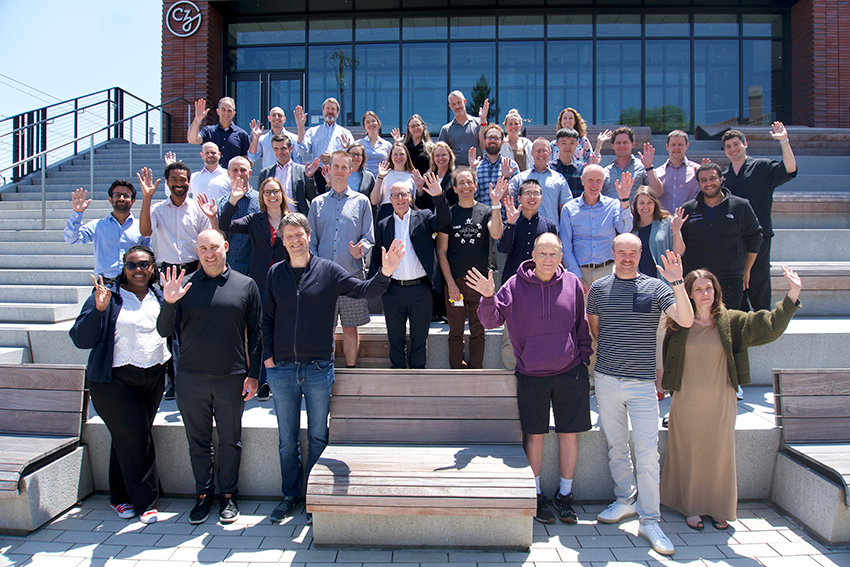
x=367, y=182
x=423, y=224
x=264, y=252
x=303, y=189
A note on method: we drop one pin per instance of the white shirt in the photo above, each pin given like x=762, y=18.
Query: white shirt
x=391, y=179
x=136, y=339
x=177, y=230
x=410, y=267
x=214, y=184
x=283, y=173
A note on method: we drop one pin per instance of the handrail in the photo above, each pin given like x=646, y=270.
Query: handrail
x=79, y=110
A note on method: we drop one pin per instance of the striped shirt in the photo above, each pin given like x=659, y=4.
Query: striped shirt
x=628, y=313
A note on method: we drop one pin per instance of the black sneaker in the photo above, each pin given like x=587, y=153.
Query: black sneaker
x=169, y=393
x=544, y=514
x=285, y=508
x=202, y=508
x=228, y=511
x=263, y=393
x=564, y=507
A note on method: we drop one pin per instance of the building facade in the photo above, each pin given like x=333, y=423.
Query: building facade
x=657, y=63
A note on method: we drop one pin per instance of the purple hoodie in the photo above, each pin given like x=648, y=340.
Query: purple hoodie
x=546, y=321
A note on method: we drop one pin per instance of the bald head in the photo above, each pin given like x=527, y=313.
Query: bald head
x=627, y=249
x=547, y=238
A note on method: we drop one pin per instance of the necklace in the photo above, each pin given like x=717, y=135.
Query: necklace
x=397, y=177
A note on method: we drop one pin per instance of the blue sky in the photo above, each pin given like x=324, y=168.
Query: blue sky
x=68, y=49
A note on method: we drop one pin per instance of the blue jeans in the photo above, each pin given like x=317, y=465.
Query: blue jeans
x=288, y=382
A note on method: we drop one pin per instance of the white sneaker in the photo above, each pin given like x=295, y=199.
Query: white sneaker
x=656, y=538
x=616, y=512
x=740, y=393
x=124, y=511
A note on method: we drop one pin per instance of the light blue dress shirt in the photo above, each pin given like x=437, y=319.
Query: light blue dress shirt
x=556, y=190
x=587, y=233
x=111, y=240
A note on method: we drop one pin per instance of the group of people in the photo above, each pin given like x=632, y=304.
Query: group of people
x=634, y=278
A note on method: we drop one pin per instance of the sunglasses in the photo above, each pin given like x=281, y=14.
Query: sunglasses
x=143, y=265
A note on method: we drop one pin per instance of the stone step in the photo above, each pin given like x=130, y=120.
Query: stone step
x=15, y=334
x=35, y=235
x=56, y=261
x=14, y=355
x=59, y=294
x=63, y=195
x=810, y=245
x=38, y=312
x=34, y=224
x=45, y=248
x=45, y=277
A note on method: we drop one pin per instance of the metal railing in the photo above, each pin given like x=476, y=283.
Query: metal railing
x=101, y=120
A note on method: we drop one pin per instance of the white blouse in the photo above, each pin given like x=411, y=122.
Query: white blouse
x=136, y=339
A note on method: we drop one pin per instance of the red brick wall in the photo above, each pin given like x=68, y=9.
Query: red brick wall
x=192, y=67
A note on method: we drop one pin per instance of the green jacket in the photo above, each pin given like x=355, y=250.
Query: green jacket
x=738, y=332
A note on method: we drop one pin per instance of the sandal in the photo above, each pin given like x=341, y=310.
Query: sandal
x=698, y=527
x=718, y=525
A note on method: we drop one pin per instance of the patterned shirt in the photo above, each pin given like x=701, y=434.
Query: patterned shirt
x=239, y=254
x=488, y=173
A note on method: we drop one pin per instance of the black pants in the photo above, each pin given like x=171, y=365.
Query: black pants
x=757, y=295
x=128, y=406
x=733, y=291
x=403, y=303
x=200, y=398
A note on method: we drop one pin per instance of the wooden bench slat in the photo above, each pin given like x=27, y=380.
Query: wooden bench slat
x=795, y=383
x=815, y=429
x=414, y=502
x=45, y=400
x=419, y=511
x=424, y=431
x=33, y=444
x=49, y=423
x=396, y=407
x=43, y=377
x=430, y=491
x=815, y=406
x=388, y=464
x=422, y=480
x=418, y=383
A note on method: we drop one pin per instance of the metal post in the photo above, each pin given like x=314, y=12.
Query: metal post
x=91, y=165
x=161, y=136
x=43, y=193
x=131, y=150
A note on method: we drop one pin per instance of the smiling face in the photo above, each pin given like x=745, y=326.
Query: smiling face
x=457, y=106
x=277, y=118
x=212, y=252
x=592, y=179
x=736, y=149
x=226, y=112
x=398, y=157
x=400, y=199
x=513, y=126
x=272, y=195
x=623, y=146
x=493, y=142
x=329, y=112
x=357, y=156
x=566, y=147
x=627, y=249
x=441, y=157
x=340, y=170
x=465, y=186
x=178, y=182
x=645, y=207
x=138, y=269
x=569, y=120
x=282, y=151
x=710, y=183
x=296, y=241
x=530, y=198
x=239, y=168
x=540, y=151
x=121, y=199
x=676, y=148
x=210, y=155
x=372, y=124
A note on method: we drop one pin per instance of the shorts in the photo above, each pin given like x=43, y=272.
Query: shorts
x=569, y=394
x=352, y=312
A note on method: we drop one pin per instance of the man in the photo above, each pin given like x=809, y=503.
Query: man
x=721, y=234
x=556, y=192
x=321, y=140
x=239, y=245
x=623, y=142
x=214, y=312
x=623, y=310
x=261, y=143
x=298, y=344
x=461, y=246
x=543, y=306
x=409, y=294
x=590, y=223
x=756, y=180
x=341, y=225
x=212, y=179
x=297, y=180
x=231, y=140
x=462, y=133
x=675, y=182
x=112, y=235
x=566, y=140
x=493, y=167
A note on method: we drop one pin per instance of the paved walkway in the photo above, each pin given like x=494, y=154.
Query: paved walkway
x=92, y=535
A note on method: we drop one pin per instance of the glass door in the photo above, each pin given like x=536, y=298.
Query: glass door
x=256, y=93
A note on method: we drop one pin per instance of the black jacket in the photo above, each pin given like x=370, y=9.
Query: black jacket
x=720, y=245
x=303, y=188
x=264, y=252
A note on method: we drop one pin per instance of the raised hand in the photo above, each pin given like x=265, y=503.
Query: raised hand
x=256, y=128
x=499, y=191
x=672, y=269
x=78, y=200
x=592, y=159
x=678, y=219
x=172, y=284
x=201, y=109
x=417, y=179
x=472, y=158
x=357, y=250
x=624, y=185
x=238, y=189
x=384, y=168
x=511, y=212
x=101, y=294
x=507, y=168
x=170, y=157
x=326, y=173
x=485, y=286
x=779, y=132
x=397, y=135
x=208, y=206
x=647, y=155
x=345, y=140
x=146, y=181
x=602, y=138
x=484, y=110
x=311, y=168
x=432, y=184
x=392, y=258
x=300, y=115
x=795, y=284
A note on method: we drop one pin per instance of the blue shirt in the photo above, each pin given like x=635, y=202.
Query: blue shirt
x=375, y=155
x=231, y=142
x=336, y=220
x=518, y=240
x=572, y=173
x=111, y=240
x=488, y=173
x=613, y=173
x=239, y=253
x=556, y=192
x=322, y=139
x=587, y=233
x=265, y=151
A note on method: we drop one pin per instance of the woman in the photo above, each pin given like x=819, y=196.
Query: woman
x=417, y=140
x=360, y=180
x=570, y=118
x=442, y=164
x=398, y=170
x=376, y=148
x=657, y=229
x=126, y=375
x=704, y=365
x=516, y=147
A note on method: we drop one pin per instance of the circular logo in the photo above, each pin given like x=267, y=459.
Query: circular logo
x=183, y=18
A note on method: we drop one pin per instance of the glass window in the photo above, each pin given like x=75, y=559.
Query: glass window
x=570, y=79
x=714, y=25
x=330, y=30
x=424, y=85
x=618, y=26
x=483, y=27
x=473, y=71
x=326, y=81
x=670, y=25
x=521, y=83
x=246, y=93
x=716, y=84
x=425, y=28
x=265, y=58
x=618, y=82
x=376, y=84
x=266, y=33
x=385, y=29
x=521, y=27
x=570, y=26
x=763, y=84
x=763, y=25
x=668, y=85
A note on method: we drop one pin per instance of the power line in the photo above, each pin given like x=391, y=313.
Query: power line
x=29, y=86
x=24, y=92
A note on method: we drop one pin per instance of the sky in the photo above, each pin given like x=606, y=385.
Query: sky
x=69, y=49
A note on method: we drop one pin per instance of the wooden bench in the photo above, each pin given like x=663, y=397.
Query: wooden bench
x=43, y=469
x=813, y=409
x=423, y=458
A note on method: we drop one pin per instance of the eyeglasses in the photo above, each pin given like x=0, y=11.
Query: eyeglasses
x=353, y=155
x=497, y=138
x=133, y=266
x=270, y=192
x=117, y=196
x=532, y=193
x=399, y=195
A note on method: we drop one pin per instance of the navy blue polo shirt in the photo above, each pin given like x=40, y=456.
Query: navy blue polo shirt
x=231, y=142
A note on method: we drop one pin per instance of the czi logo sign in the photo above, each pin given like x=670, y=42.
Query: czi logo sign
x=183, y=18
